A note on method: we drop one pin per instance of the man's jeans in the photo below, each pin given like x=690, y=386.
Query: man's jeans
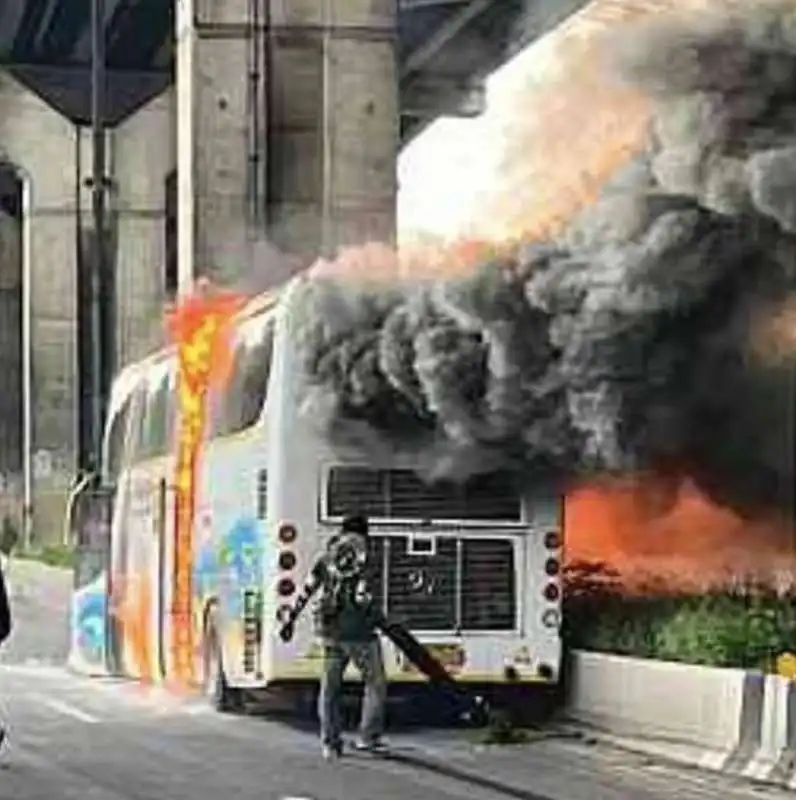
x=368, y=660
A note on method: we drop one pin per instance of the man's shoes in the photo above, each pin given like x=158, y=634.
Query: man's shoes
x=332, y=751
x=370, y=746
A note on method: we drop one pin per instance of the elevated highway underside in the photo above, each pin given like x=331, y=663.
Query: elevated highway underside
x=446, y=48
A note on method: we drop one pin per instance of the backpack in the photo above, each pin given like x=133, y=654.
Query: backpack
x=339, y=595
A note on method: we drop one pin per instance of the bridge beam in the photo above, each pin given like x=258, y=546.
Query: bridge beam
x=443, y=35
x=287, y=130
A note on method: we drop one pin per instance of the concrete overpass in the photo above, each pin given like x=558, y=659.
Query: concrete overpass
x=445, y=49
x=229, y=122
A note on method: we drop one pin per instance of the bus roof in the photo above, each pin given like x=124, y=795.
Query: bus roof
x=259, y=304
x=129, y=375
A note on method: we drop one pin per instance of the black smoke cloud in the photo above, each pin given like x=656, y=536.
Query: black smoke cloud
x=626, y=344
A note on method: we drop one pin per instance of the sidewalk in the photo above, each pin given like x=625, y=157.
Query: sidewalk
x=589, y=770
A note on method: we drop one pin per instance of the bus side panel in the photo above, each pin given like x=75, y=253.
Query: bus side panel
x=230, y=547
x=90, y=529
x=293, y=499
x=163, y=543
x=138, y=610
x=120, y=531
x=87, y=651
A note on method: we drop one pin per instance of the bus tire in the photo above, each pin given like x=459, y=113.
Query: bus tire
x=221, y=696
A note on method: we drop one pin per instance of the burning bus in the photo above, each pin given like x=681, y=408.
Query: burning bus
x=222, y=495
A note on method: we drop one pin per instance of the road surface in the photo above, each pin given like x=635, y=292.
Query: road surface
x=40, y=613
x=81, y=739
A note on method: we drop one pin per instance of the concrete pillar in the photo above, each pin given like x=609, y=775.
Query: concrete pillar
x=143, y=155
x=42, y=144
x=10, y=344
x=55, y=156
x=299, y=100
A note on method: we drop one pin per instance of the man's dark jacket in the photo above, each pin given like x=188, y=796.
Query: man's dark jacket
x=5, y=610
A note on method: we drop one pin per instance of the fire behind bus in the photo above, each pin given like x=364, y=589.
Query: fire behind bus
x=194, y=594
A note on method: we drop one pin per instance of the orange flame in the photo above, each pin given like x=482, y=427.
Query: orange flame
x=668, y=537
x=201, y=329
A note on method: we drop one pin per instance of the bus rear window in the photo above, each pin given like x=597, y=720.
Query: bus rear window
x=402, y=495
x=241, y=402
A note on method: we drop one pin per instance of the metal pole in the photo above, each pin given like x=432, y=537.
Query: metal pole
x=27, y=368
x=326, y=250
x=98, y=278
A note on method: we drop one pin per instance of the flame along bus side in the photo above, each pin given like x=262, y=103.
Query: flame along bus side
x=473, y=570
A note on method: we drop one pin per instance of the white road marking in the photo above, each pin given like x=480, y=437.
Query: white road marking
x=36, y=667
x=67, y=709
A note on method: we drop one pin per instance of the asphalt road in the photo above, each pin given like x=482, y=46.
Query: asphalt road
x=80, y=739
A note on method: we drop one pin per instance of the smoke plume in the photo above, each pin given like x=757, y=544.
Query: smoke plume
x=629, y=343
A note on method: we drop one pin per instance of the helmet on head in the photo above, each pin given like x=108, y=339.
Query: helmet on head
x=348, y=551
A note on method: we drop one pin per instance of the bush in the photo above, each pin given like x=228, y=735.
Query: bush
x=54, y=555
x=748, y=626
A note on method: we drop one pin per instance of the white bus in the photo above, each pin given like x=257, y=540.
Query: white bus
x=472, y=570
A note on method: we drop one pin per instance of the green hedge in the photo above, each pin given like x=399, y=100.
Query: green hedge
x=55, y=555
x=749, y=626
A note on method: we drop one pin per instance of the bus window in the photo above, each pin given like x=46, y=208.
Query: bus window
x=155, y=435
x=171, y=406
x=138, y=435
x=255, y=375
x=240, y=404
x=116, y=443
x=224, y=401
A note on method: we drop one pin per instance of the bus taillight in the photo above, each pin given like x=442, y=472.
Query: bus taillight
x=552, y=567
x=551, y=618
x=287, y=560
x=285, y=587
x=551, y=592
x=552, y=541
x=287, y=533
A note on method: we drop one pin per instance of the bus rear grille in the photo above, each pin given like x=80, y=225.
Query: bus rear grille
x=467, y=584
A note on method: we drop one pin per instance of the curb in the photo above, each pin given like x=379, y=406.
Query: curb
x=685, y=758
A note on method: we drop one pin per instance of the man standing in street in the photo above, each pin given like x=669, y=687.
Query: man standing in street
x=345, y=622
x=346, y=625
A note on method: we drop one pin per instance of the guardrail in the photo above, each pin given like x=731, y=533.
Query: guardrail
x=730, y=720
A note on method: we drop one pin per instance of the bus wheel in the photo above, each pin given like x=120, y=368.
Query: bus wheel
x=218, y=692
